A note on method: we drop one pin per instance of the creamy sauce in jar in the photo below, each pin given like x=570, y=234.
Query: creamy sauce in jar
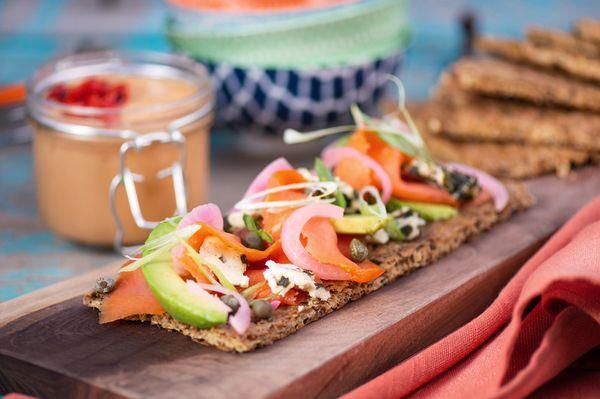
x=78, y=150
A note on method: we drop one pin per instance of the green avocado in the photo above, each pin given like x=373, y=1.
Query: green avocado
x=429, y=212
x=173, y=294
x=358, y=224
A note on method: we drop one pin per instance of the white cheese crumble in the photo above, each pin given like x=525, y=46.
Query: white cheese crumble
x=236, y=220
x=379, y=237
x=433, y=171
x=283, y=277
x=410, y=224
x=399, y=212
x=226, y=259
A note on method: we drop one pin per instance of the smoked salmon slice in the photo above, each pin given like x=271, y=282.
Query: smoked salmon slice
x=322, y=244
x=131, y=296
x=272, y=219
x=391, y=160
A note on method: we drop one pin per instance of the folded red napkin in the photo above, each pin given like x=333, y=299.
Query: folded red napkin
x=543, y=320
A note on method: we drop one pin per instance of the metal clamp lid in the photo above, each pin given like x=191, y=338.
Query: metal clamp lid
x=128, y=179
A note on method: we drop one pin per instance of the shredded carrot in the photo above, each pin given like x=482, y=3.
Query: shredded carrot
x=231, y=241
x=181, y=258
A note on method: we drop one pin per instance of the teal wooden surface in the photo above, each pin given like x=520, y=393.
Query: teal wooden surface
x=32, y=31
x=31, y=256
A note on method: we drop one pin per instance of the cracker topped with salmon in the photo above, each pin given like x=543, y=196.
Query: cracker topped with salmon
x=302, y=243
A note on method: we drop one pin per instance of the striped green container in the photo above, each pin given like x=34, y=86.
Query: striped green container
x=342, y=35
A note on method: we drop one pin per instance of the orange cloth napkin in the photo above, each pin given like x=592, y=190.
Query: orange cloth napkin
x=543, y=320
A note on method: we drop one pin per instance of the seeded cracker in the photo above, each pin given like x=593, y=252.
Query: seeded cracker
x=502, y=79
x=515, y=161
x=464, y=117
x=559, y=40
x=397, y=259
x=522, y=52
x=588, y=29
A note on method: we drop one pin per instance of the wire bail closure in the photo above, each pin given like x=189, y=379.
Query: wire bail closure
x=128, y=179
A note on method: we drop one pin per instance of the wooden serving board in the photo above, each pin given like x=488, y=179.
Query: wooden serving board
x=52, y=346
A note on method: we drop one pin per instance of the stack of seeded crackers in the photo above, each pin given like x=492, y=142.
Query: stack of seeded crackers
x=521, y=108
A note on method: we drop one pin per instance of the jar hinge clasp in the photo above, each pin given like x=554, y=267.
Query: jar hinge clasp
x=128, y=179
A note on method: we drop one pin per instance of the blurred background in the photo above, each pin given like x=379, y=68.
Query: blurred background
x=274, y=65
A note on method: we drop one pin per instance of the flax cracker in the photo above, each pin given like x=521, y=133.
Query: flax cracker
x=516, y=161
x=522, y=52
x=559, y=40
x=588, y=29
x=464, y=116
x=397, y=259
x=500, y=78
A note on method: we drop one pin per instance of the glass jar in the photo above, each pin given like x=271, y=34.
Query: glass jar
x=108, y=175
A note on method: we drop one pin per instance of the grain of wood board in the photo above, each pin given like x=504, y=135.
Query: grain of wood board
x=58, y=350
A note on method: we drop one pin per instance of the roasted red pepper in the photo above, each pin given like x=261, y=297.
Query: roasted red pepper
x=92, y=92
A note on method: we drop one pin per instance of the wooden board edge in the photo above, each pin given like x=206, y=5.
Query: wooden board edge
x=53, y=294
x=53, y=384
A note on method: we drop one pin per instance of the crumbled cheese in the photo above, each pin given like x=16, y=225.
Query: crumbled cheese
x=409, y=224
x=399, y=212
x=344, y=187
x=236, y=220
x=354, y=206
x=226, y=259
x=379, y=237
x=283, y=277
x=430, y=171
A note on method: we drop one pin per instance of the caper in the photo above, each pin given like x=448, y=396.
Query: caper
x=283, y=281
x=462, y=186
x=252, y=240
x=358, y=250
x=231, y=301
x=261, y=309
x=104, y=285
x=227, y=224
x=407, y=230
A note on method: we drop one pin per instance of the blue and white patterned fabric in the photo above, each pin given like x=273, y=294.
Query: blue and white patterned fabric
x=272, y=100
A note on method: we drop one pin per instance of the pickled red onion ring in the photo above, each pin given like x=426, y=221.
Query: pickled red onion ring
x=326, y=188
x=240, y=321
x=494, y=186
x=333, y=155
x=295, y=251
x=207, y=213
x=260, y=181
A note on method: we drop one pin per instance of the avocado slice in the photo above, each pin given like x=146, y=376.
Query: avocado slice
x=429, y=212
x=358, y=224
x=173, y=294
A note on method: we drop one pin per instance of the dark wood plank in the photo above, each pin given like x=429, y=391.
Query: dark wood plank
x=61, y=351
